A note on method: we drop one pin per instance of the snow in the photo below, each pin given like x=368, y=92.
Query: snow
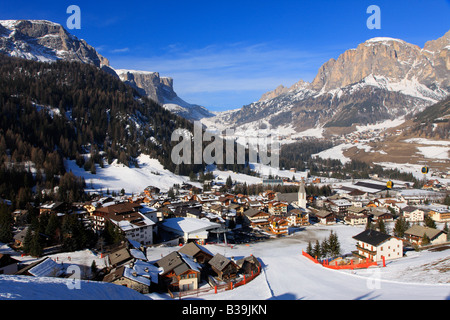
x=34, y=288
x=134, y=180
x=434, y=152
x=336, y=153
x=383, y=39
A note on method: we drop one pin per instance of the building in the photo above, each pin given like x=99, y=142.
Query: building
x=278, y=225
x=135, y=225
x=413, y=214
x=374, y=245
x=416, y=233
x=301, y=201
x=223, y=267
x=197, y=252
x=190, y=228
x=440, y=213
x=179, y=272
x=356, y=216
x=325, y=217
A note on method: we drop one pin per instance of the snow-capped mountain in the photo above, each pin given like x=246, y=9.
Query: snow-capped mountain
x=160, y=89
x=381, y=79
x=46, y=41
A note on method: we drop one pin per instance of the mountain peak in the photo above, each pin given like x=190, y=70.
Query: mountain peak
x=43, y=40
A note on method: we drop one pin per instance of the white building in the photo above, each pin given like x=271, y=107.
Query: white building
x=375, y=245
x=302, y=195
x=190, y=228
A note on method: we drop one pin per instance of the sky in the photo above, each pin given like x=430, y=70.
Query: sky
x=224, y=54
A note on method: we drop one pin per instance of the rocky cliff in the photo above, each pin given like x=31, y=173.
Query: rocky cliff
x=42, y=40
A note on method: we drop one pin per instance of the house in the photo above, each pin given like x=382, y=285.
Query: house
x=297, y=217
x=278, y=225
x=119, y=257
x=249, y=265
x=53, y=207
x=340, y=207
x=278, y=208
x=179, y=272
x=8, y=265
x=45, y=267
x=223, y=267
x=375, y=245
x=415, y=235
x=413, y=214
x=325, y=217
x=380, y=214
x=356, y=216
x=256, y=217
x=137, y=275
x=197, y=252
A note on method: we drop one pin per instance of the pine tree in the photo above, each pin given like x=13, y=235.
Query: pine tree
x=425, y=239
x=381, y=226
x=401, y=225
x=429, y=222
x=309, y=249
x=316, y=253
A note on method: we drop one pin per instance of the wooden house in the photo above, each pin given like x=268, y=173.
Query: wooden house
x=223, y=267
x=416, y=233
x=197, y=252
x=179, y=272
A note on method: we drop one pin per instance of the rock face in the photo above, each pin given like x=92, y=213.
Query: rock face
x=160, y=89
x=383, y=78
x=42, y=40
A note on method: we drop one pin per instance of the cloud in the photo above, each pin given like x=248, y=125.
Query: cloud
x=122, y=50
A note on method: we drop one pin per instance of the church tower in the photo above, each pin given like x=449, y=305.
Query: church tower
x=302, y=195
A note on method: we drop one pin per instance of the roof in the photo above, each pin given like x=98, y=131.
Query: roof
x=119, y=256
x=189, y=225
x=372, y=237
x=419, y=231
x=191, y=249
x=219, y=262
x=46, y=268
x=178, y=263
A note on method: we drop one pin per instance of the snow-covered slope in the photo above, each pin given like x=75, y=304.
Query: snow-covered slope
x=42, y=288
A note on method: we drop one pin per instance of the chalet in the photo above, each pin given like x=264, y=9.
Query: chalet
x=20, y=217
x=413, y=214
x=297, y=217
x=223, y=267
x=278, y=208
x=356, y=216
x=416, y=233
x=179, y=272
x=138, y=276
x=8, y=265
x=45, y=267
x=278, y=225
x=325, y=217
x=249, y=265
x=374, y=245
x=256, y=217
x=119, y=257
x=340, y=206
x=197, y=252
x=380, y=214
x=53, y=207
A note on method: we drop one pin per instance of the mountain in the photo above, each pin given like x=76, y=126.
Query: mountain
x=46, y=41
x=381, y=79
x=160, y=89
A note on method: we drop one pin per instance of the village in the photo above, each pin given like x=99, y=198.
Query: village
x=127, y=228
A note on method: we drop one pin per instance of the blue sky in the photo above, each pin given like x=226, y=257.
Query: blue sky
x=225, y=54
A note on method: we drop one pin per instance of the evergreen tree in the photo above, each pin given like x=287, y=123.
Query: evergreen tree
x=309, y=249
x=35, y=245
x=381, y=226
x=429, y=222
x=425, y=239
x=401, y=225
x=6, y=223
x=334, y=245
x=316, y=253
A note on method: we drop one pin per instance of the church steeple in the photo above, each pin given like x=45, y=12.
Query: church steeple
x=302, y=195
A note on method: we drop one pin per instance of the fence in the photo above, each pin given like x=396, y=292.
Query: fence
x=366, y=264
